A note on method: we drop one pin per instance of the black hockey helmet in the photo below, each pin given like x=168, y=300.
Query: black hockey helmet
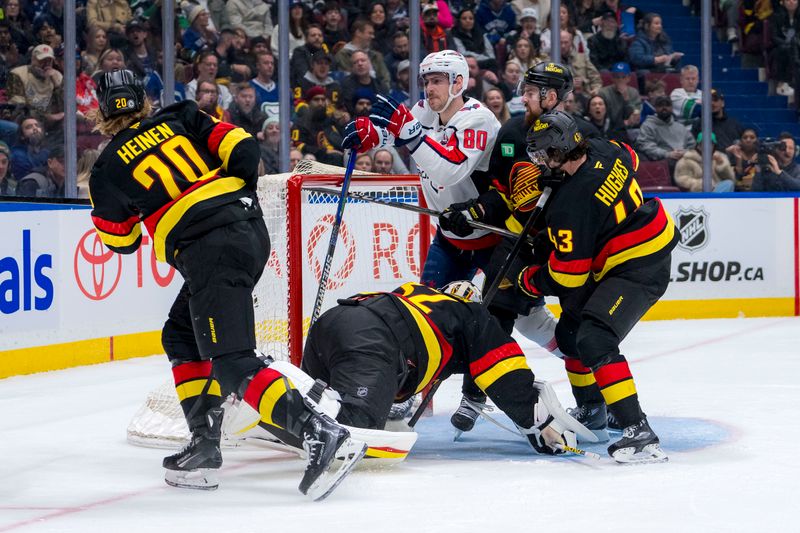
x=553, y=131
x=120, y=92
x=550, y=75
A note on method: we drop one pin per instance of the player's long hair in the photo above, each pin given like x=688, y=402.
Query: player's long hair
x=112, y=126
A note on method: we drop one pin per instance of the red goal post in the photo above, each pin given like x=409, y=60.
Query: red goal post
x=379, y=247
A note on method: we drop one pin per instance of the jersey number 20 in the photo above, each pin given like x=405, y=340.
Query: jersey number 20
x=178, y=151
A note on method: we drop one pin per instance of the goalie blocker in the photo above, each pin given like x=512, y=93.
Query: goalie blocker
x=414, y=335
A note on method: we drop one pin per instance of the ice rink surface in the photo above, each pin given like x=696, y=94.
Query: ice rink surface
x=722, y=394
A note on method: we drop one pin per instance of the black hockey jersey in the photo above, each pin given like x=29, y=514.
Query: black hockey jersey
x=180, y=172
x=442, y=334
x=515, y=188
x=599, y=223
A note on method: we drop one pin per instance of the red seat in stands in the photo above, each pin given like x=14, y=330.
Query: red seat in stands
x=653, y=176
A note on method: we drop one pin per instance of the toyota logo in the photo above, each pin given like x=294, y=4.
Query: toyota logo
x=97, y=269
x=323, y=226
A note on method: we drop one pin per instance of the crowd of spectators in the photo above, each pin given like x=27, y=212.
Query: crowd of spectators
x=342, y=54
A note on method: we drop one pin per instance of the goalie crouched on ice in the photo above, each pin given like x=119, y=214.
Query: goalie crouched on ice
x=191, y=180
x=378, y=348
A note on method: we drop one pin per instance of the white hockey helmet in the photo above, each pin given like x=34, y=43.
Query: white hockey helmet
x=464, y=289
x=447, y=62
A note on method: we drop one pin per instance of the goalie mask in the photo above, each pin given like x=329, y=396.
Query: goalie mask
x=120, y=93
x=463, y=289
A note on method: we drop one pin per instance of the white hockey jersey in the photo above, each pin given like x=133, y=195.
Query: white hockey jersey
x=450, y=153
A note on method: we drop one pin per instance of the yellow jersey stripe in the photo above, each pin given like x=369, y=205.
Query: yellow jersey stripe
x=120, y=241
x=274, y=392
x=619, y=391
x=431, y=344
x=568, y=280
x=193, y=388
x=229, y=142
x=218, y=187
x=642, y=250
x=499, y=370
x=580, y=380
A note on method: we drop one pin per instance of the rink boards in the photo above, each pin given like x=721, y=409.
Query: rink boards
x=65, y=300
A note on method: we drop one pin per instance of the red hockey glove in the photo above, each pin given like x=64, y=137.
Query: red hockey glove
x=362, y=135
x=397, y=119
x=525, y=282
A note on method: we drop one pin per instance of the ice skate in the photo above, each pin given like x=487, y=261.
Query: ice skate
x=195, y=466
x=639, y=444
x=613, y=423
x=467, y=414
x=594, y=417
x=323, y=441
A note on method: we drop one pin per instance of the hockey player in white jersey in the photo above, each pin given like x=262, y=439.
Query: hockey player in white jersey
x=451, y=140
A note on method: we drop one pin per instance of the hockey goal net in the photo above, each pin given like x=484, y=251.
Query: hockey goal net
x=379, y=247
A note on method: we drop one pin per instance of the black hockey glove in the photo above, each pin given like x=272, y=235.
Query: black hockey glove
x=541, y=248
x=454, y=219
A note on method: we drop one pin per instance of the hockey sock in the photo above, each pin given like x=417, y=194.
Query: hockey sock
x=277, y=400
x=584, y=386
x=619, y=390
x=197, y=391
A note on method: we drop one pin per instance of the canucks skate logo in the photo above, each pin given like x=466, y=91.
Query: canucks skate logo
x=693, y=226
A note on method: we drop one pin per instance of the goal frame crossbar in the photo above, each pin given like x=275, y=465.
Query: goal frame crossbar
x=296, y=187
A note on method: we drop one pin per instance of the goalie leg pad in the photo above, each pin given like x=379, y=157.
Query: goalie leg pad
x=561, y=419
x=329, y=402
x=223, y=320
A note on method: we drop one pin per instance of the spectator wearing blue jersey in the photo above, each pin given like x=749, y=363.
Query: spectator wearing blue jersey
x=497, y=19
x=266, y=88
x=199, y=35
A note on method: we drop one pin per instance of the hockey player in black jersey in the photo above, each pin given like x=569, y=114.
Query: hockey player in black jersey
x=610, y=262
x=191, y=180
x=514, y=191
x=378, y=348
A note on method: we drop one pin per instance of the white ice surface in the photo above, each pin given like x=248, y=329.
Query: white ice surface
x=722, y=394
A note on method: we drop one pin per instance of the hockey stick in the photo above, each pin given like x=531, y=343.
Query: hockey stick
x=326, y=269
x=489, y=295
x=578, y=451
x=424, y=403
x=415, y=209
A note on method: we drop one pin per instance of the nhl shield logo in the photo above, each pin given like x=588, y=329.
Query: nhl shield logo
x=693, y=226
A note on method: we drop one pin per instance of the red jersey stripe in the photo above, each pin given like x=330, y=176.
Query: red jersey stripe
x=258, y=385
x=634, y=238
x=505, y=351
x=612, y=373
x=116, y=228
x=573, y=364
x=451, y=152
x=191, y=370
x=217, y=134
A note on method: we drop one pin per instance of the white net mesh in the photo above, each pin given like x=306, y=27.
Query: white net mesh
x=378, y=249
